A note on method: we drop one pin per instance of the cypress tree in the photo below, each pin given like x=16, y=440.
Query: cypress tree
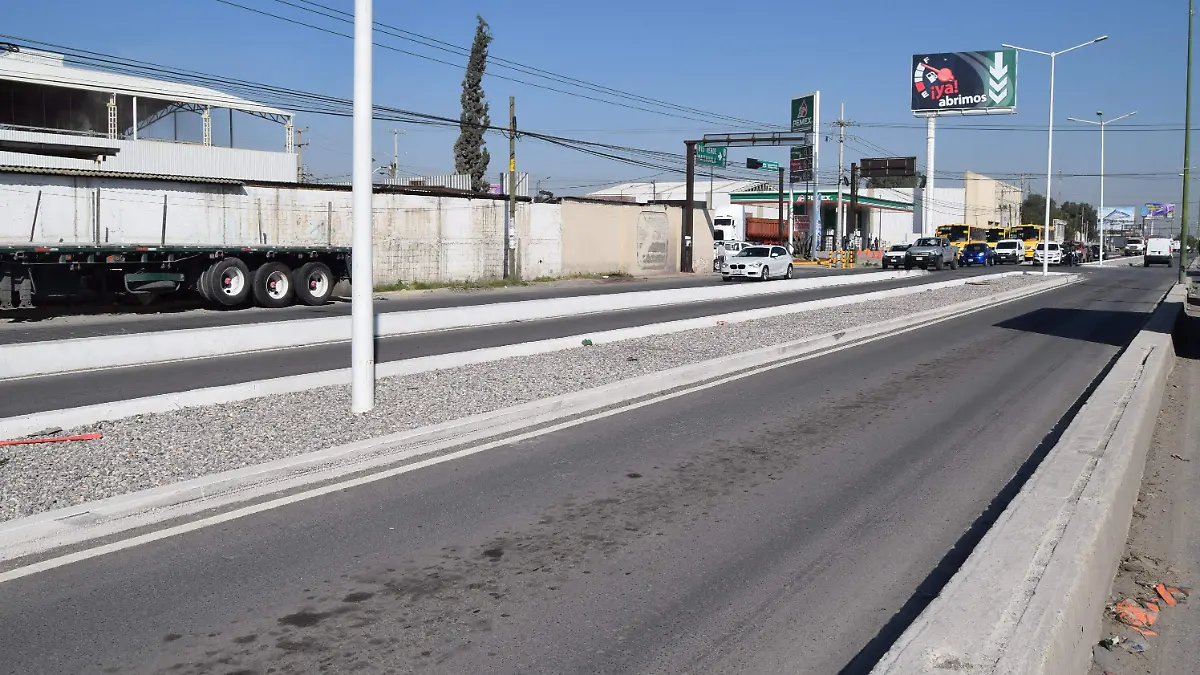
x=470, y=155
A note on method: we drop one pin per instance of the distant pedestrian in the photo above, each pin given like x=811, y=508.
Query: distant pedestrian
x=720, y=255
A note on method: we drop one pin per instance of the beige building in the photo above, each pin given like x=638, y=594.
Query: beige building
x=991, y=203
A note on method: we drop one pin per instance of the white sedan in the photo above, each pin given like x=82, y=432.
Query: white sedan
x=758, y=262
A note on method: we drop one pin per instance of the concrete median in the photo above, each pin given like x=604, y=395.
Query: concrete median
x=114, y=351
x=1029, y=598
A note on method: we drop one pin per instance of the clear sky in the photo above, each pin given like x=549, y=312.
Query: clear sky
x=721, y=57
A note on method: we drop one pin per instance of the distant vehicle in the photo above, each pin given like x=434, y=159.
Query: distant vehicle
x=1010, y=251
x=935, y=252
x=1175, y=246
x=1074, y=253
x=1135, y=246
x=758, y=262
x=729, y=224
x=1158, y=250
x=894, y=256
x=961, y=234
x=995, y=235
x=976, y=254
x=1031, y=235
x=1094, y=251
x=1048, y=252
x=732, y=248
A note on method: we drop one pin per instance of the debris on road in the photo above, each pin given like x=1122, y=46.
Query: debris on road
x=1139, y=618
x=57, y=439
x=1110, y=641
x=1182, y=459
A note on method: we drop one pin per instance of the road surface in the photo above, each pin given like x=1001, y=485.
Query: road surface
x=55, y=392
x=784, y=523
x=58, y=323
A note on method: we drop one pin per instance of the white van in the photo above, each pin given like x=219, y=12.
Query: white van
x=1010, y=251
x=1158, y=250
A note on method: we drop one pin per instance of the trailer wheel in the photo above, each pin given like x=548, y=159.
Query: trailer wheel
x=203, y=288
x=229, y=282
x=273, y=285
x=313, y=283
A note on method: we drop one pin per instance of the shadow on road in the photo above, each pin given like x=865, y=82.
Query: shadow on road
x=929, y=588
x=1092, y=325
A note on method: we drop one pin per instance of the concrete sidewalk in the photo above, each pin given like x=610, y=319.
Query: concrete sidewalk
x=1164, y=538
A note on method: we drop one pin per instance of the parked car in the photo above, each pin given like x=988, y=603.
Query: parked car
x=894, y=256
x=976, y=254
x=1010, y=251
x=1158, y=250
x=1051, y=252
x=935, y=252
x=758, y=262
x=1094, y=251
x=1135, y=246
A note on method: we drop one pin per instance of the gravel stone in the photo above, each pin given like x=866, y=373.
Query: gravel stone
x=147, y=451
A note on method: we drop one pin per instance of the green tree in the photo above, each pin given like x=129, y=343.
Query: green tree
x=1081, y=219
x=1033, y=209
x=470, y=155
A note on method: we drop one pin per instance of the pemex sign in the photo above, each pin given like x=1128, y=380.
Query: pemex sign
x=965, y=81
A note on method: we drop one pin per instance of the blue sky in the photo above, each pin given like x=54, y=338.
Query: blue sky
x=714, y=56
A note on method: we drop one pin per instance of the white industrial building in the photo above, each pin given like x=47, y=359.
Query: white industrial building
x=59, y=117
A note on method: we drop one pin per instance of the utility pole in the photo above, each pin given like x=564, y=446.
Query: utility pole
x=837, y=232
x=514, y=253
x=782, y=238
x=394, y=169
x=362, y=311
x=300, y=145
x=1187, y=164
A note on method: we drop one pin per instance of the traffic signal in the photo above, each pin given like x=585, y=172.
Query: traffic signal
x=752, y=163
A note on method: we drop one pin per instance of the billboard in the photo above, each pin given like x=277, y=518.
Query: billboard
x=1118, y=217
x=804, y=113
x=1158, y=211
x=964, y=81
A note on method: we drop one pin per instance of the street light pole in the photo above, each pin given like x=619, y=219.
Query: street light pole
x=362, y=312
x=1050, y=143
x=1100, y=213
x=1187, y=164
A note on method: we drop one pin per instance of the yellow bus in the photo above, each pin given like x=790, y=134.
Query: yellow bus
x=995, y=234
x=961, y=234
x=1030, y=235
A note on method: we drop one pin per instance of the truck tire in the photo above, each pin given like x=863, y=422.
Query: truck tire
x=313, y=283
x=229, y=282
x=273, y=285
x=953, y=264
x=939, y=264
x=203, y=289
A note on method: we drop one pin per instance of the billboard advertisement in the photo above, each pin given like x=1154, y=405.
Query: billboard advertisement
x=804, y=113
x=1158, y=211
x=964, y=81
x=1118, y=217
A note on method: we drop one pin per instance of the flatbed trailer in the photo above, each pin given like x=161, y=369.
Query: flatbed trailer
x=223, y=277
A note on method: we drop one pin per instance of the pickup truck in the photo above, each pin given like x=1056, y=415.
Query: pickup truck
x=935, y=252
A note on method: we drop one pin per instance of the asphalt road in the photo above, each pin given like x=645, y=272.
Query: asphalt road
x=783, y=523
x=22, y=396
x=59, y=323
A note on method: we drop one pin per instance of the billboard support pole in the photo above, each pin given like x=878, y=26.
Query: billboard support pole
x=926, y=212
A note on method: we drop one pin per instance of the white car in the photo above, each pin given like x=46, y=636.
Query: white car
x=1010, y=251
x=1135, y=246
x=1052, y=252
x=1158, y=250
x=758, y=262
x=894, y=256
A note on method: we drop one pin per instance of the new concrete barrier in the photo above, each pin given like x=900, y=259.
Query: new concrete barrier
x=74, y=525
x=114, y=351
x=1029, y=599
x=23, y=425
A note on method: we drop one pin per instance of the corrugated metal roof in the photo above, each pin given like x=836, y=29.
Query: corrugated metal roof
x=115, y=174
x=46, y=72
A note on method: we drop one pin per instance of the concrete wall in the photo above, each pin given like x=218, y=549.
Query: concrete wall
x=417, y=238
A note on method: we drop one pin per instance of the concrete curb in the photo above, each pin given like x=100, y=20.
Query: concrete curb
x=114, y=351
x=1124, y=258
x=70, y=526
x=24, y=425
x=1029, y=599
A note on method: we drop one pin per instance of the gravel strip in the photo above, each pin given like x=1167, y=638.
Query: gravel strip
x=152, y=450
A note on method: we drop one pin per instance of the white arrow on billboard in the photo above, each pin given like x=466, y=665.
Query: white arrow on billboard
x=999, y=80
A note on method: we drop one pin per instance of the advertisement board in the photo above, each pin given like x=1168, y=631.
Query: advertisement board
x=1118, y=217
x=1155, y=210
x=804, y=113
x=964, y=81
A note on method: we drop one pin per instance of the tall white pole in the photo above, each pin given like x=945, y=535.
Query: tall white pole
x=837, y=231
x=927, y=192
x=1049, y=177
x=362, y=318
x=1100, y=219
